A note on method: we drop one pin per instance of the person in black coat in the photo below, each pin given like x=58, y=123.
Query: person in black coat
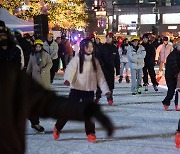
x=171, y=73
x=9, y=50
x=109, y=60
x=61, y=53
x=20, y=96
x=158, y=41
x=149, y=63
x=26, y=46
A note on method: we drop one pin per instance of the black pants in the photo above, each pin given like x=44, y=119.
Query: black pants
x=85, y=97
x=149, y=70
x=170, y=93
x=54, y=69
x=34, y=120
x=62, y=58
x=99, y=92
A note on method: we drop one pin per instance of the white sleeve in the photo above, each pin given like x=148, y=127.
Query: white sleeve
x=71, y=69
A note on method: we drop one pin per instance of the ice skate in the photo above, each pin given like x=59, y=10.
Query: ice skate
x=127, y=79
x=120, y=79
x=38, y=128
x=56, y=133
x=91, y=138
x=110, y=102
x=155, y=87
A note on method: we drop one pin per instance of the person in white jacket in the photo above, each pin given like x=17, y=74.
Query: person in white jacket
x=136, y=54
x=52, y=48
x=162, y=53
x=83, y=74
x=124, y=60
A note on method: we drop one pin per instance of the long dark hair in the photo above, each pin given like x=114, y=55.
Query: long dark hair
x=84, y=43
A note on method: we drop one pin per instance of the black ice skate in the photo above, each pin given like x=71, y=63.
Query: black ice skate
x=120, y=79
x=127, y=79
x=146, y=88
x=38, y=128
x=155, y=87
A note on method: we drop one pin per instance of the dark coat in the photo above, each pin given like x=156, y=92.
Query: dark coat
x=27, y=48
x=109, y=60
x=20, y=96
x=172, y=66
x=12, y=55
x=150, y=54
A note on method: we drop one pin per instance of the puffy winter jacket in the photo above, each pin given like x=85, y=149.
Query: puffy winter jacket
x=136, y=58
x=163, y=51
x=88, y=79
x=52, y=49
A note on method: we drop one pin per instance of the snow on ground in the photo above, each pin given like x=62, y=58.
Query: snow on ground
x=142, y=127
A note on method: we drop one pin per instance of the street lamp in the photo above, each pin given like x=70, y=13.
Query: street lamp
x=113, y=20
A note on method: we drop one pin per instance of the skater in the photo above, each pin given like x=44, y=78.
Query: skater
x=39, y=66
x=83, y=74
x=162, y=53
x=149, y=61
x=136, y=54
x=10, y=51
x=20, y=95
x=171, y=74
x=52, y=48
x=110, y=61
x=124, y=60
x=61, y=54
x=177, y=94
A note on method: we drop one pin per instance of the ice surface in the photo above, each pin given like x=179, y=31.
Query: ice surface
x=142, y=126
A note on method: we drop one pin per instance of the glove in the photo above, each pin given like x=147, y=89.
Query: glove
x=93, y=110
x=67, y=83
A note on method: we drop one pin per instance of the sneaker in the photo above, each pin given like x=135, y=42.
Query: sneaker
x=91, y=138
x=139, y=90
x=155, y=87
x=166, y=107
x=110, y=102
x=177, y=139
x=56, y=133
x=38, y=128
x=177, y=108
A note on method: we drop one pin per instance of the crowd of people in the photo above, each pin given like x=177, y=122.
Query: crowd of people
x=89, y=71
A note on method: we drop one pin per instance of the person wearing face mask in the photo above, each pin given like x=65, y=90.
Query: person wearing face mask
x=52, y=48
x=171, y=74
x=9, y=50
x=109, y=60
x=83, y=74
x=136, y=54
x=162, y=53
x=39, y=67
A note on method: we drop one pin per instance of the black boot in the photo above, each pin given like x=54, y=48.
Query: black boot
x=120, y=79
x=127, y=79
x=38, y=128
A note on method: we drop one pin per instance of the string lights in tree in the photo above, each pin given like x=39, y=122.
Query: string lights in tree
x=67, y=14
